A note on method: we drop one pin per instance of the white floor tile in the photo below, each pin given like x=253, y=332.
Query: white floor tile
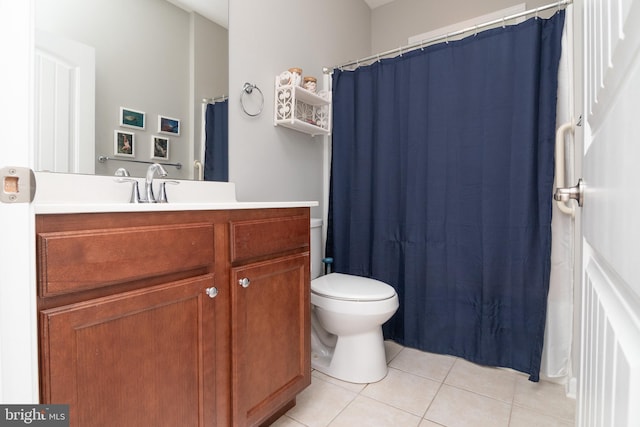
x=545, y=398
x=319, y=403
x=356, y=388
x=371, y=413
x=523, y=417
x=392, y=349
x=404, y=391
x=431, y=390
x=491, y=382
x=454, y=407
x=285, y=421
x=428, y=365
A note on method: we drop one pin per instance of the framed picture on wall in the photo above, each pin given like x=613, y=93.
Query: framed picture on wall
x=132, y=118
x=124, y=143
x=159, y=147
x=168, y=125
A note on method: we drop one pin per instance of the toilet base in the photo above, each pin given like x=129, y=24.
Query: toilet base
x=357, y=358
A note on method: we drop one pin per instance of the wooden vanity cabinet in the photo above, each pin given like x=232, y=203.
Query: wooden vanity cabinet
x=132, y=331
x=128, y=334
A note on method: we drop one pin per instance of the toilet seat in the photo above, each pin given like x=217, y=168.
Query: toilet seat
x=346, y=287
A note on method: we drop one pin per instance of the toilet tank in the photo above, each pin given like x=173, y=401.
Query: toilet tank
x=316, y=248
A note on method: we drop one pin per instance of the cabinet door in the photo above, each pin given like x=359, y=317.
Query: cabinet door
x=139, y=358
x=271, y=336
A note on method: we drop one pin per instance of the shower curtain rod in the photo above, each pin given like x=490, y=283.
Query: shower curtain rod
x=446, y=36
x=214, y=100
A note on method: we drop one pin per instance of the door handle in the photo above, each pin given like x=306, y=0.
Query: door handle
x=567, y=193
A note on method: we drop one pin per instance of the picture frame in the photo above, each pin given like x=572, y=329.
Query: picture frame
x=159, y=147
x=124, y=143
x=168, y=125
x=131, y=118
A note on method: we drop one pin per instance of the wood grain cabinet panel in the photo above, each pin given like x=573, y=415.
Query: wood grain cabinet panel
x=271, y=336
x=263, y=237
x=71, y=261
x=107, y=357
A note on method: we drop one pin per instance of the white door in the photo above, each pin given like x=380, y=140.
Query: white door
x=18, y=355
x=64, y=105
x=609, y=390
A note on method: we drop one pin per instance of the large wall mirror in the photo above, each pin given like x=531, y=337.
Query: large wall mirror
x=126, y=81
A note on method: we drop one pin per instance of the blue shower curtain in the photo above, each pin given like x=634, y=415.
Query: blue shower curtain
x=441, y=186
x=216, y=158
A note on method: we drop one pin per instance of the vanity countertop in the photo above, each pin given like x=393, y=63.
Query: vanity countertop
x=59, y=208
x=58, y=193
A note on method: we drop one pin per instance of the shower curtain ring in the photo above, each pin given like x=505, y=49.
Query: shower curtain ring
x=476, y=33
x=503, y=23
x=446, y=38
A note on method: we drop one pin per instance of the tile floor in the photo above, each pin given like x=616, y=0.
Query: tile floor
x=431, y=390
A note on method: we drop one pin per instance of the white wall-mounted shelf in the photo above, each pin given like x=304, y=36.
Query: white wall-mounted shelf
x=299, y=109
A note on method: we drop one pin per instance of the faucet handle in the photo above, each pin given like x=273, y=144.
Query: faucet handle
x=162, y=198
x=135, y=191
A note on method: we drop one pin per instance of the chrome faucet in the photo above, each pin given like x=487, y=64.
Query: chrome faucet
x=123, y=176
x=148, y=184
x=122, y=172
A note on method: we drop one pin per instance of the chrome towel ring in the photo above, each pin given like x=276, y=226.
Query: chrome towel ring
x=247, y=89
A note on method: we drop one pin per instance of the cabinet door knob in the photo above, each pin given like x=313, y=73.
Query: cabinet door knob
x=212, y=292
x=244, y=282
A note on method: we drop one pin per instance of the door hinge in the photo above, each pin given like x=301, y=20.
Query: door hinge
x=18, y=185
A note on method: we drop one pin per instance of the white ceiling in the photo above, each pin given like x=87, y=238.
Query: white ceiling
x=215, y=10
x=218, y=10
x=376, y=3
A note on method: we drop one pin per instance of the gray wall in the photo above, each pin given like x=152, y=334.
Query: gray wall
x=393, y=23
x=265, y=38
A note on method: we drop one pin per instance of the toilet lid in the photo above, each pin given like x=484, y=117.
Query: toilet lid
x=351, y=288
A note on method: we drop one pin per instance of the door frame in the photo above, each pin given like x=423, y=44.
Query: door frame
x=578, y=142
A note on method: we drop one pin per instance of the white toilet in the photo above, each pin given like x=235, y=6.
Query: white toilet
x=347, y=313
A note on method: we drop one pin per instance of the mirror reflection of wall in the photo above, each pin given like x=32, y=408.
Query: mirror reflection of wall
x=150, y=57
